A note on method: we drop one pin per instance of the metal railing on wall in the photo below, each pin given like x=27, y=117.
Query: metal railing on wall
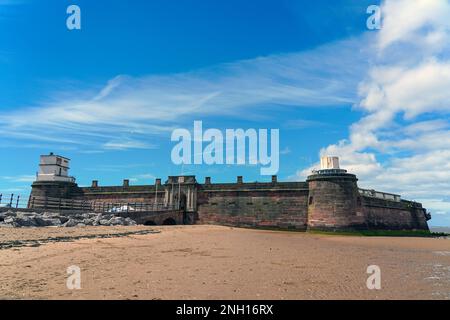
x=13, y=201
x=380, y=195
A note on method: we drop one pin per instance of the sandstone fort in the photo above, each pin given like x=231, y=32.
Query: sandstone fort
x=329, y=199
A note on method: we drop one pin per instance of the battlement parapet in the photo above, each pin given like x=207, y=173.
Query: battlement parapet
x=255, y=186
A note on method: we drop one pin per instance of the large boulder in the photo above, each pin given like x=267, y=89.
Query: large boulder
x=43, y=222
x=88, y=215
x=53, y=216
x=49, y=220
x=129, y=222
x=104, y=222
x=96, y=220
x=9, y=225
x=50, y=215
x=88, y=222
x=116, y=221
x=26, y=214
x=63, y=219
x=8, y=220
x=26, y=221
x=54, y=222
x=9, y=213
x=70, y=223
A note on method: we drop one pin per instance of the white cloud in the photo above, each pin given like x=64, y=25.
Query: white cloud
x=302, y=123
x=126, y=144
x=402, y=144
x=21, y=178
x=11, y=190
x=144, y=176
x=412, y=90
x=404, y=22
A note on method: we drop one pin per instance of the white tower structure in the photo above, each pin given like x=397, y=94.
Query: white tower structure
x=54, y=168
x=329, y=163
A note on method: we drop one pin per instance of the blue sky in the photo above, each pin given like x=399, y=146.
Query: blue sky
x=109, y=95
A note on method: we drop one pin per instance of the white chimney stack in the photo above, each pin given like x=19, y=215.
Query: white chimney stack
x=329, y=163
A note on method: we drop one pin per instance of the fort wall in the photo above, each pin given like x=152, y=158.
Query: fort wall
x=124, y=194
x=56, y=189
x=268, y=205
x=325, y=202
x=394, y=215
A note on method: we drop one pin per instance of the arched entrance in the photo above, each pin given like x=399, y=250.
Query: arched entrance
x=169, y=222
x=150, y=223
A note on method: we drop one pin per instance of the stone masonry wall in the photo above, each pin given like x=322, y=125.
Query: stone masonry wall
x=333, y=204
x=121, y=194
x=56, y=190
x=384, y=214
x=281, y=205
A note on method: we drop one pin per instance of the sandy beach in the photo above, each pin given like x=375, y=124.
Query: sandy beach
x=213, y=262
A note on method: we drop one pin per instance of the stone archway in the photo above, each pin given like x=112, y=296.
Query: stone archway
x=150, y=223
x=169, y=222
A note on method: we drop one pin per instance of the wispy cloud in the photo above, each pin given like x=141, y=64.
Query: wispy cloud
x=21, y=178
x=129, y=111
x=302, y=123
x=12, y=190
x=285, y=151
x=126, y=144
x=143, y=177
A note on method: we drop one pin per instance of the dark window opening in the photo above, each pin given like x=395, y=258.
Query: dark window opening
x=311, y=200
